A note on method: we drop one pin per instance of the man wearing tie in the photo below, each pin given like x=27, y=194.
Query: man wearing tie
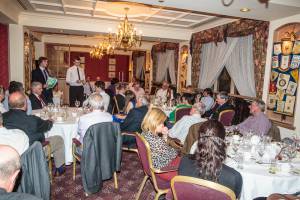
x=36, y=97
x=75, y=78
x=41, y=74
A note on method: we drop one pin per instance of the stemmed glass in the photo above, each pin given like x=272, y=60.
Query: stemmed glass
x=235, y=146
x=77, y=104
x=261, y=151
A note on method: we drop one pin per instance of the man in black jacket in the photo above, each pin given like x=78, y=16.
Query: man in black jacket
x=10, y=166
x=34, y=127
x=223, y=104
x=36, y=97
x=41, y=74
x=133, y=120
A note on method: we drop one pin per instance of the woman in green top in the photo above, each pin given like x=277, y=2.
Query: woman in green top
x=187, y=100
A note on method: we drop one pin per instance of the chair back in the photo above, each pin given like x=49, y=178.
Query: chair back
x=144, y=153
x=189, y=188
x=226, y=116
x=274, y=132
x=180, y=112
x=34, y=177
x=116, y=105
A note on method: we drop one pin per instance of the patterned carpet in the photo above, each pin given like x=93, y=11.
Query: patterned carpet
x=129, y=180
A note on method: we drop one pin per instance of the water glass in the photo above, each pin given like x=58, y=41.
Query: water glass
x=273, y=166
x=240, y=161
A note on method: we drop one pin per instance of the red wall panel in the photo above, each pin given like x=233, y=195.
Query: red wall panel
x=96, y=67
x=4, y=55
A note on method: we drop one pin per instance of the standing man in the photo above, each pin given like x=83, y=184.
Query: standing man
x=41, y=74
x=76, y=79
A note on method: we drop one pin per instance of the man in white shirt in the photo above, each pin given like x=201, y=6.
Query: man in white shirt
x=207, y=99
x=13, y=137
x=97, y=115
x=138, y=91
x=164, y=93
x=75, y=78
x=99, y=89
x=88, y=88
x=181, y=128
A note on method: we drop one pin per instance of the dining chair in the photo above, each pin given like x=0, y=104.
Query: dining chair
x=226, y=116
x=180, y=112
x=130, y=149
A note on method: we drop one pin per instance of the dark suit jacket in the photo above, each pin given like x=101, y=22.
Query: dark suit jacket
x=16, y=196
x=134, y=120
x=121, y=101
x=33, y=126
x=35, y=102
x=37, y=75
x=225, y=106
x=229, y=177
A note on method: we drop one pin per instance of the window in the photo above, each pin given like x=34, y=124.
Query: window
x=225, y=83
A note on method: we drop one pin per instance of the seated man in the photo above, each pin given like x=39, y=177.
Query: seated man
x=208, y=99
x=34, y=127
x=14, y=137
x=97, y=115
x=258, y=122
x=120, y=97
x=133, y=120
x=36, y=97
x=165, y=92
x=10, y=166
x=137, y=89
x=181, y=128
x=223, y=104
x=100, y=89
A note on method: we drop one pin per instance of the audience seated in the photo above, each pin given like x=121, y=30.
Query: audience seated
x=137, y=89
x=181, y=128
x=36, y=97
x=100, y=89
x=88, y=88
x=164, y=93
x=120, y=97
x=223, y=104
x=14, y=137
x=97, y=115
x=133, y=120
x=191, y=138
x=2, y=96
x=208, y=99
x=34, y=127
x=155, y=133
x=15, y=86
x=258, y=122
x=10, y=166
x=207, y=162
x=112, y=86
x=187, y=100
x=57, y=95
x=130, y=101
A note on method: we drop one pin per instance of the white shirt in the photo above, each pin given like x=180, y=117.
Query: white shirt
x=138, y=93
x=181, y=128
x=87, y=88
x=106, y=99
x=208, y=102
x=87, y=120
x=72, y=76
x=2, y=108
x=163, y=94
x=14, y=138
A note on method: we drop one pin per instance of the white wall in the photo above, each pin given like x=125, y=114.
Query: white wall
x=39, y=49
x=16, y=53
x=273, y=26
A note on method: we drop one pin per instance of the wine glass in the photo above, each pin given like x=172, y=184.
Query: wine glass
x=261, y=151
x=77, y=104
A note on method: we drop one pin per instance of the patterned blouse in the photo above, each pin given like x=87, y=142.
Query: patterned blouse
x=162, y=154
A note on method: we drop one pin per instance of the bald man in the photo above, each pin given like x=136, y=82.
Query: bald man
x=34, y=127
x=9, y=169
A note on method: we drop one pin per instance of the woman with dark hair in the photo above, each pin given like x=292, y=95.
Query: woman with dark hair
x=207, y=162
x=130, y=101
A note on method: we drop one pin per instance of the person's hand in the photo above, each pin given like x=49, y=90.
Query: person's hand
x=45, y=85
x=165, y=131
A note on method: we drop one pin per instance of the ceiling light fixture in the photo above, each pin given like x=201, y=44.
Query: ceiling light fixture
x=229, y=2
x=244, y=9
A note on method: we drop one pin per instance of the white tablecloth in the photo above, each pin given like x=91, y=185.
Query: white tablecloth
x=258, y=182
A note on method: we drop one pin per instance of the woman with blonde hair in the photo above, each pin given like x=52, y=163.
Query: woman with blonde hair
x=154, y=132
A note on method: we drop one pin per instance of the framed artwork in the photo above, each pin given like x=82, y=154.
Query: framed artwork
x=291, y=89
x=272, y=101
x=296, y=49
x=111, y=74
x=284, y=63
x=280, y=106
x=274, y=75
x=295, y=61
x=289, y=104
x=282, y=82
x=277, y=49
x=112, y=68
x=275, y=63
x=111, y=61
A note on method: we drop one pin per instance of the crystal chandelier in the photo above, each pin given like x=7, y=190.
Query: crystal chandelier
x=105, y=47
x=126, y=36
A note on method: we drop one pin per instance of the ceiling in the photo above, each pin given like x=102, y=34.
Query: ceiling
x=115, y=11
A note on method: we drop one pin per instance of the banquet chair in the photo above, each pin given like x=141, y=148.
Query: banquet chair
x=190, y=188
x=180, y=112
x=226, y=116
x=99, y=155
x=124, y=148
x=161, y=186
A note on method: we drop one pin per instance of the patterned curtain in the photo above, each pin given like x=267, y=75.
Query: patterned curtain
x=135, y=55
x=243, y=27
x=162, y=47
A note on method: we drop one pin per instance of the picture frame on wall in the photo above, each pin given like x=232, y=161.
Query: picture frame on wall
x=111, y=74
x=285, y=63
x=277, y=49
x=111, y=61
x=111, y=67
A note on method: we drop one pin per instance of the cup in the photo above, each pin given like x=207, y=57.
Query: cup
x=273, y=167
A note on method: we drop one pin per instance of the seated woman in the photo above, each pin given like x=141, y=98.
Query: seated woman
x=187, y=100
x=207, y=162
x=130, y=101
x=57, y=95
x=155, y=133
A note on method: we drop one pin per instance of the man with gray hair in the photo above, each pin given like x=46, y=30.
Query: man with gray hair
x=223, y=104
x=258, y=123
x=98, y=115
x=133, y=120
x=9, y=169
x=36, y=97
x=181, y=128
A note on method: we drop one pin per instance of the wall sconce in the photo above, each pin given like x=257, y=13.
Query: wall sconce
x=287, y=43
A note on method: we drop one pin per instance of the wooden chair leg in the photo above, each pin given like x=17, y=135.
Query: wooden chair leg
x=50, y=163
x=116, y=180
x=141, y=187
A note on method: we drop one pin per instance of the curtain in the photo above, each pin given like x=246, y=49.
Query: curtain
x=240, y=66
x=165, y=65
x=4, y=71
x=213, y=59
x=140, y=63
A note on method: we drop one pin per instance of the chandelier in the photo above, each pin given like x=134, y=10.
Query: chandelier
x=126, y=36
x=105, y=47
